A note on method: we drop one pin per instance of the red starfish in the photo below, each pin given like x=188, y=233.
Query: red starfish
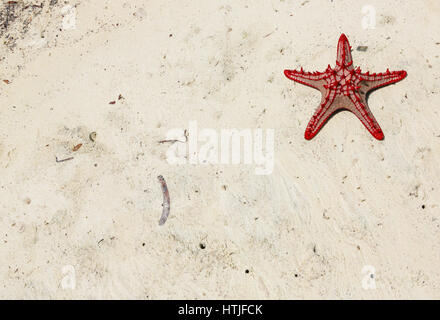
x=344, y=87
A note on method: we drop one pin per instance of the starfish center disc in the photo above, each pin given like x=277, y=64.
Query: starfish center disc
x=342, y=80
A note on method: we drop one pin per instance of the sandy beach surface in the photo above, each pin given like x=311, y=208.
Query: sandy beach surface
x=342, y=216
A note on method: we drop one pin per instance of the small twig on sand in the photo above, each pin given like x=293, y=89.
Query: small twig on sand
x=185, y=133
x=62, y=160
x=267, y=35
x=166, y=201
x=171, y=141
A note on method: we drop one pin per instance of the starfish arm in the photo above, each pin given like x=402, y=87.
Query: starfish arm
x=377, y=80
x=311, y=79
x=343, y=56
x=364, y=114
x=321, y=115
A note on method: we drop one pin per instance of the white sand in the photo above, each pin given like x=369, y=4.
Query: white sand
x=332, y=205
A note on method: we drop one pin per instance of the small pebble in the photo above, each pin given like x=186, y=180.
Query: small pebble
x=362, y=48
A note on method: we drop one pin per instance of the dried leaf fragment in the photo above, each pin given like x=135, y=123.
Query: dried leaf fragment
x=76, y=148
